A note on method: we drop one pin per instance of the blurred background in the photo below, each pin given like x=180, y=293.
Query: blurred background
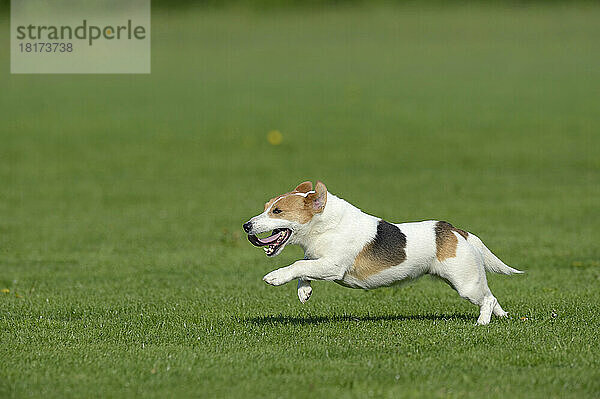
x=485, y=114
x=410, y=110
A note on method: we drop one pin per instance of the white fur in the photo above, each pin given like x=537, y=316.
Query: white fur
x=332, y=239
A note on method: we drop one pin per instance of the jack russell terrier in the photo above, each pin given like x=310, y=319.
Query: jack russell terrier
x=345, y=245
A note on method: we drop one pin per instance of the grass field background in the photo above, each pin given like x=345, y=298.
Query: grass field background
x=122, y=199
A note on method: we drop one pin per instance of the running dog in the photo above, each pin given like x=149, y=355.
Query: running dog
x=345, y=245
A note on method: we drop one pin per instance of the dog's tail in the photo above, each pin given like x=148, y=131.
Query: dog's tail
x=491, y=261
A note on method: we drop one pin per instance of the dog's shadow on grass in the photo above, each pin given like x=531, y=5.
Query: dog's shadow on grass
x=308, y=320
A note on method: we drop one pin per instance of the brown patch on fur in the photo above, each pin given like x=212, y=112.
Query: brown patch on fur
x=292, y=207
x=463, y=233
x=446, y=241
x=272, y=200
x=299, y=208
x=387, y=249
x=303, y=187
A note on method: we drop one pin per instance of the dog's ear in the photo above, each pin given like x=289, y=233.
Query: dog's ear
x=318, y=199
x=304, y=187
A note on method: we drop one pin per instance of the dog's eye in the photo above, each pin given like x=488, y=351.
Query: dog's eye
x=276, y=210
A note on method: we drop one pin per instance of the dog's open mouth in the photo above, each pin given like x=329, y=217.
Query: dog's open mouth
x=273, y=242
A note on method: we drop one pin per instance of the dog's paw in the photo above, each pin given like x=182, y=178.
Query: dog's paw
x=276, y=277
x=304, y=293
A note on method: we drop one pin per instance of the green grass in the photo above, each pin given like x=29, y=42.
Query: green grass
x=122, y=199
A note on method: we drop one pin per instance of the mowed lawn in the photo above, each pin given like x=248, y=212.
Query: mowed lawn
x=123, y=265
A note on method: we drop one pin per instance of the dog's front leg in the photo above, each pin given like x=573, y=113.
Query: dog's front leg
x=304, y=290
x=314, y=269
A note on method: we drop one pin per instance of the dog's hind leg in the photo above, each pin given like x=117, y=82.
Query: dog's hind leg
x=466, y=274
x=498, y=311
x=304, y=290
x=485, y=310
x=476, y=291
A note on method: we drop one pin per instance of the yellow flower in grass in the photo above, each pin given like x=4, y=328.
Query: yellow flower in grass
x=5, y=290
x=274, y=137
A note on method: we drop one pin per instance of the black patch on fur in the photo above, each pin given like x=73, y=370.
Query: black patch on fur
x=442, y=227
x=389, y=245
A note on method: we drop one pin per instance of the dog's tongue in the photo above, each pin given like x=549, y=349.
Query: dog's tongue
x=267, y=240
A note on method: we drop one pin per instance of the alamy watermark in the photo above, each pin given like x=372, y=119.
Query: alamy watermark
x=80, y=36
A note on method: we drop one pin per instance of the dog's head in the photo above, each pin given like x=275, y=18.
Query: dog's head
x=286, y=216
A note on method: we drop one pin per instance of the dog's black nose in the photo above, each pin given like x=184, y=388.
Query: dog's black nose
x=247, y=227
